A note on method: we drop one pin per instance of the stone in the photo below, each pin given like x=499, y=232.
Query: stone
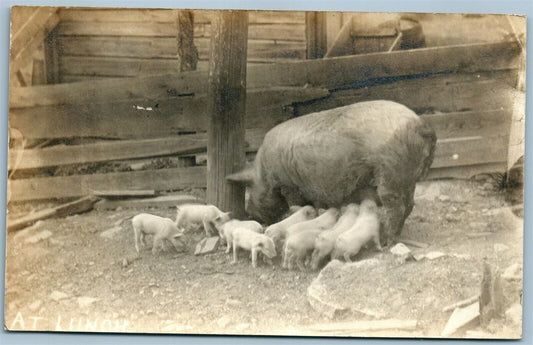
x=111, y=233
x=43, y=235
x=514, y=314
x=513, y=272
x=242, y=326
x=224, y=321
x=461, y=317
x=207, y=245
x=58, y=295
x=444, y=198
x=84, y=301
x=401, y=250
x=325, y=292
x=35, y=305
x=500, y=247
x=434, y=255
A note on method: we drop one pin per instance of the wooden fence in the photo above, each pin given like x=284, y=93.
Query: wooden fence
x=464, y=91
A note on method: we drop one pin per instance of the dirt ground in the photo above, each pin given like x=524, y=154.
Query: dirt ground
x=77, y=280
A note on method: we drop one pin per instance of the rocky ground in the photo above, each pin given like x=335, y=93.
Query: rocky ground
x=82, y=274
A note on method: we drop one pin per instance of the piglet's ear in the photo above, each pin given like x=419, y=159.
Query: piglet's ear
x=245, y=176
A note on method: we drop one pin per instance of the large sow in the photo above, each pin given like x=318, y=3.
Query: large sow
x=338, y=156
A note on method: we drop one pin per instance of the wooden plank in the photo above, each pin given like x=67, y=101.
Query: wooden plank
x=163, y=201
x=226, y=104
x=184, y=145
x=81, y=185
x=470, y=151
x=288, y=32
x=315, y=34
x=21, y=55
x=165, y=47
x=134, y=119
x=78, y=206
x=165, y=15
x=32, y=26
x=187, y=53
x=51, y=58
x=470, y=123
x=123, y=193
x=465, y=172
x=334, y=25
x=440, y=93
x=342, y=71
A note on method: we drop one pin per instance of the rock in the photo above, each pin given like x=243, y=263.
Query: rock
x=500, y=247
x=233, y=302
x=43, y=235
x=514, y=314
x=242, y=326
x=111, y=233
x=57, y=296
x=427, y=192
x=224, y=321
x=84, y=302
x=434, y=255
x=125, y=262
x=207, y=245
x=35, y=305
x=460, y=318
x=450, y=218
x=513, y=272
x=418, y=257
x=325, y=294
x=401, y=250
x=444, y=198
x=263, y=277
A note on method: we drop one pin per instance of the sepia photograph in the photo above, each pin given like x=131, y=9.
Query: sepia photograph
x=265, y=172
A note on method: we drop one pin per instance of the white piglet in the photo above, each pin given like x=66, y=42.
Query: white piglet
x=162, y=229
x=189, y=214
x=226, y=226
x=365, y=229
x=278, y=231
x=252, y=241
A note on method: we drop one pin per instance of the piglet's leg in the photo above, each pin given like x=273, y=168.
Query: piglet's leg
x=234, y=253
x=254, y=257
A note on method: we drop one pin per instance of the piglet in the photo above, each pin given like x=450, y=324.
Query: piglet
x=225, y=226
x=325, y=241
x=278, y=230
x=326, y=220
x=252, y=241
x=189, y=214
x=365, y=229
x=161, y=228
x=298, y=247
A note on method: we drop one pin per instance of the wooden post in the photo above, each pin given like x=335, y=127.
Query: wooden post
x=187, y=52
x=315, y=35
x=226, y=108
x=51, y=58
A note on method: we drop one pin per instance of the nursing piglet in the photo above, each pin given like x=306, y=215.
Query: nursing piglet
x=226, y=226
x=325, y=241
x=278, y=230
x=365, y=229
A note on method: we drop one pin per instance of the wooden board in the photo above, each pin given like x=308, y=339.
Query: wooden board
x=80, y=185
x=167, y=15
x=341, y=72
x=165, y=47
x=440, y=93
x=287, y=32
x=184, y=145
x=477, y=154
x=151, y=118
x=163, y=201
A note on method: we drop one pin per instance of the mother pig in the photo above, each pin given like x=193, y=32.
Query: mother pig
x=330, y=158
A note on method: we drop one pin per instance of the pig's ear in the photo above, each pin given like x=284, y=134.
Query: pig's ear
x=245, y=176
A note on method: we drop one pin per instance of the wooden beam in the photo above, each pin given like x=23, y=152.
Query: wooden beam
x=78, y=206
x=470, y=151
x=315, y=34
x=51, y=57
x=227, y=106
x=82, y=185
x=151, y=118
x=342, y=43
x=144, y=203
x=187, y=52
x=30, y=36
x=121, y=150
x=465, y=172
x=342, y=71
